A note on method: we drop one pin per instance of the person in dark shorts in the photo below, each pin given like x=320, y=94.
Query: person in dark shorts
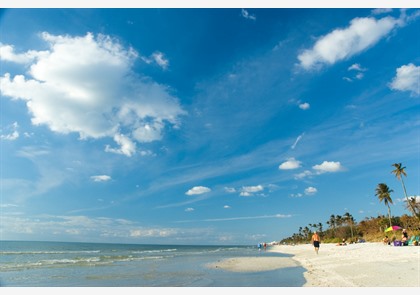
x=316, y=240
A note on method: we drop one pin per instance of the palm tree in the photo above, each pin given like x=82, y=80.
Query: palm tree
x=384, y=194
x=350, y=220
x=399, y=172
x=332, y=223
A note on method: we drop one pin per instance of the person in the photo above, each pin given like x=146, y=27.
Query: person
x=316, y=240
x=386, y=241
x=343, y=243
x=404, y=237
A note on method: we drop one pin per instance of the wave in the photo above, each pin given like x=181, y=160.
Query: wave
x=47, y=252
x=77, y=261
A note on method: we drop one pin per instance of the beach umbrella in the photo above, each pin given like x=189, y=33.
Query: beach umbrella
x=392, y=228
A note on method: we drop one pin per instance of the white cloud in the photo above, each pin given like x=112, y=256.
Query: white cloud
x=303, y=174
x=246, y=15
x=13, y=135
x=7, y=53
x=160, y=59
x=297, y=140
x=226, y=207
x=126, y=146
x=230, y=190
x=248, y=191
x=304, y=106
x=310, y=190
x=290, y=164
x=359, y=76
x=381, y=10
x=298, y=195
x=327, y=166
x=356, y=67
x=342, y=44
x=252, y=189
x=198, y=190
x=101, y=178
x=189, y=209
x=86, y=85
x=407, y=79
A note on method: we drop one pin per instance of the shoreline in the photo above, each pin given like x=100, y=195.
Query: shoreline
x=353, y=265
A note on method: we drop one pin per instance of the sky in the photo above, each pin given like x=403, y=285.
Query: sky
x=212, y=126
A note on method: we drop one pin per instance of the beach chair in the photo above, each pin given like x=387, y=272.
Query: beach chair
x=411, y=241
x=397, y=243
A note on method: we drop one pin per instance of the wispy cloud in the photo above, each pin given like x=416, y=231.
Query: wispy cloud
x=297, y=141
x=158, y=58
x=247, y=15
x=238, y=218
x=359, y=72
x=101, y=178
x=14, y=133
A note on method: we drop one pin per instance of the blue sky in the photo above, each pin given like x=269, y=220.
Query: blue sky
x=203, y=126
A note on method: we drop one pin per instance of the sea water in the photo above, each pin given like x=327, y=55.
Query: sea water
x=60, y=264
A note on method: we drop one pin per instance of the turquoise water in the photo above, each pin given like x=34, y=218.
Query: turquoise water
x=59, y=264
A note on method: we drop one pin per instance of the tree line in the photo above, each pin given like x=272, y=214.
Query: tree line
x=370, y=229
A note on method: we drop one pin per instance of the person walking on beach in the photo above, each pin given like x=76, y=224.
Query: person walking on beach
x=316, y=240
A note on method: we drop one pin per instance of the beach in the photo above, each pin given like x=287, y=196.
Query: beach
x=353, y=265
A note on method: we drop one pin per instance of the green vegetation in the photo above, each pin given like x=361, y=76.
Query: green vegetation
x=370, y=229
x=344, y=227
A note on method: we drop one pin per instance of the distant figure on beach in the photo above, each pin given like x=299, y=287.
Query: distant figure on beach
x=343, y=243
x=404, y=237
x=386, y=241
x=259, y=246
x=265, y=246
x=316, y=240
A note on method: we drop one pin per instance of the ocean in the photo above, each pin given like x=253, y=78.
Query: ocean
x=62, y=264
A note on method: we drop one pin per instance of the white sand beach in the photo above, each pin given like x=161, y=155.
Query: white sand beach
x=354, y=265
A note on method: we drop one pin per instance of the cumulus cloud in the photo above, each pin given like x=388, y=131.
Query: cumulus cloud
x=86, y=85
x=407, y=79
x=327, y=166
x=290, y=164
x=7, y=53
x=101, y=178
x=304, y=106
x=310, y=190
x=189, y=209
x=248, y=191
x=198, y=190
x=343, y=43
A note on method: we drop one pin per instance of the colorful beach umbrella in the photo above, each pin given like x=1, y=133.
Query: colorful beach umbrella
x=394, y=227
